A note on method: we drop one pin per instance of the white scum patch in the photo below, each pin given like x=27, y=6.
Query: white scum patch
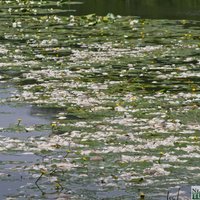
x=11, y=144
x=134, y=22
x=188, y=131
x=153, y=144
x=100, y=108
x=29, y=129
x=82, y=124
x=37, y=167
x=97, y=86
x=120, y=109
x=3, y=50
x=62, y=117
x=65, y=166
x=17, y=24
x=107, y=52
x=190, y=149
x=86, y=152
x=61, y=95
x=28, y=153
x=191, y=155
x=129, y=175
x=52, y=142
x=33, y=145
x=172, y=158
x=186, y=95
x=117, y=149
x=26, y=95
x=193, y=168
x=50, y=42
x=123, y=121
x=28, y=64
x=192, y=128
x=48, y=73
x=156, y=170
x=106, y=181
x=187, y=75
x=53, y=179
x=3, y=175
x=126, y=158
x=84, y=101
x=159, y=123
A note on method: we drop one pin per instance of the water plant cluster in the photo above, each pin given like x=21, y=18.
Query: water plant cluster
x=124, y=93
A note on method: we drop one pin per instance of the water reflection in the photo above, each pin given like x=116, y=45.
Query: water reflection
x=171, y=9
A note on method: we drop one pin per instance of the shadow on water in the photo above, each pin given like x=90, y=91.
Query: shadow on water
x=153, y=9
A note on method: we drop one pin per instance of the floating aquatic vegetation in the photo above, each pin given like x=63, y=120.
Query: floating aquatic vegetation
x=124, y=93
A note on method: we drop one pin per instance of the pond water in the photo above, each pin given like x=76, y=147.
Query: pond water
x=99, y=107
x=153, y=9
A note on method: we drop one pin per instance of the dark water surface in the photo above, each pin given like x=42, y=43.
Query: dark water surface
x=153, y=9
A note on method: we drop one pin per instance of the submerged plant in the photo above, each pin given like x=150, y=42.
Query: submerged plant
x=161, y=155
x=54, y=172
x=19, y=122
x=142, y=196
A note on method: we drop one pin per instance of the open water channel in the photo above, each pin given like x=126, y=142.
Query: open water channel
x=99, y=106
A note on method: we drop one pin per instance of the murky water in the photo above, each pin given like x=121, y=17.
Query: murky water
x=12, y=162
x=97, y=107
x=153, y=9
